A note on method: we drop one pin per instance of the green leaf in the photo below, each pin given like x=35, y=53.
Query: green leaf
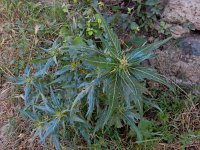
x=152, y=104
x=101, y=120
x=30, y=115
x=151, y=74
x=54, y=98
x=99, y=62
x=137, y=41
x=62, y=71
x=78, y=41
x=18, y=80
x=140, y=53
x=56, y=142
x=59, y=79
x=112, y=37
x=134, y=26
x=131, y=121
x=78, y=119
x=112, y=100
x=27, y=91
x=77, y=99
x=85, y=134
x=50, y=128
x=41, y=72
x=152, y=2
x=135, y=90
x=91, y=101
x=146, y=127
x=45, y=108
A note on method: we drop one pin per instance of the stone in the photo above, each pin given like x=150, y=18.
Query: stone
x=183, y=11
x=180, y=62
x=190, y=45
x=178, y=31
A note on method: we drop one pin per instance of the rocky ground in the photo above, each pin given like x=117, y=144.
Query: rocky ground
x=180, y=60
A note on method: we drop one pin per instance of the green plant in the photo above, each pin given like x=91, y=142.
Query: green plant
x=137, y=15
x=147, y=11
x=164, y=28
x=81, y=88
x=188, y=138
x=94, y=26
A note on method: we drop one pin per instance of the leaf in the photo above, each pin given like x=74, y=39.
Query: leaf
x=54, y=46
x=19, y=80
x=90, y=33
x=91, y=101
x=85, y=134
x=50, y=128
x=152, y=2
x=27, y=70
x=41, y=72
x=112, y=37
x=27, y=91
x=152, y=104
x=88, y=89
x=78, y=41
x=146, y=127
x=139, y=53
x=59, y=79
x=134, y=128
x=136, y=92
x=100, y=121
x=94, y=3
x=62, y=71
x=84, y=50
x=99, y=62
x=151, y=74
x=56, y=142
x=38, y=133
x=89, y=49
x=118, y=123
x=46, y=108
x=32, y=100
x=77, y=99
x=112, y=100
x=134, y=26
x=55, y=60
x=30, y=115
x=137, y=41
x=77, y=119
x=54, y=98
x=133, y=116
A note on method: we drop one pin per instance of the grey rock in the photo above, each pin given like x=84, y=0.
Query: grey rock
x=181, y=11
x=178, y=31
x=190, y=45
x=180, y=62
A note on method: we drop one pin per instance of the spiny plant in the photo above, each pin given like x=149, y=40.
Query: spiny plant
x=81, y=88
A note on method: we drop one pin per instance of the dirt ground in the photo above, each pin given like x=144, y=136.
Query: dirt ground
x=14, y=130
x=5, y=113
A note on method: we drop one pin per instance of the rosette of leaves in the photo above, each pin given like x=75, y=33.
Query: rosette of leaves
x=95, y=87
x=49, y=110
x=120, y=77
x=52, y=119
